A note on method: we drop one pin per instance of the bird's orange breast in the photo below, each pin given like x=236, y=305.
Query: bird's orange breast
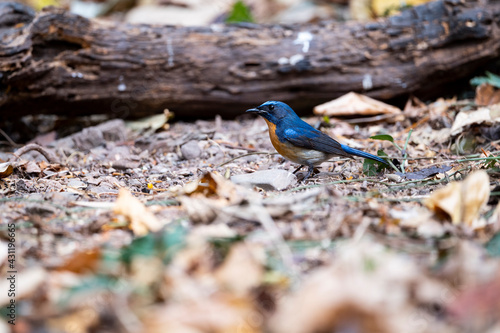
x=293, y=153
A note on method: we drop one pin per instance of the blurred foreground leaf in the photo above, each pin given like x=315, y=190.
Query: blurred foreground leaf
x=493, y=246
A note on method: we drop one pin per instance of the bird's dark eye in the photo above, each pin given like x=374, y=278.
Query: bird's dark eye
x=271, y=107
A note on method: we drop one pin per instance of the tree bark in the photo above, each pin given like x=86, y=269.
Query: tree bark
x=59, y=63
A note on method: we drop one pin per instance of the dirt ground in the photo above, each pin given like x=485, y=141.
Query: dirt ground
x=143, y=226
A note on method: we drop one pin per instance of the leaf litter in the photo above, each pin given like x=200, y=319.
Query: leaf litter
x=141, y=228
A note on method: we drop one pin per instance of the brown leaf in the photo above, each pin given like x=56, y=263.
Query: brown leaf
x=141, y=219
x=350, y=293
x=215, y=313
x=80, y=321
x=480, y=304
x=462, y=201
x=355, y=104
x=81, y=262
x=465, y=119
x=32, y=167
x=207, y=195
x=242, y=269
x=486, y=94
x=6, y=169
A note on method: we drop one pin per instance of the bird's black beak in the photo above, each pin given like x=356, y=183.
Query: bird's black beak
x=254, y=110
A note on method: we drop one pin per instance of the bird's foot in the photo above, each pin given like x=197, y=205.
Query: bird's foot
x=310, y=170
x=300, y=167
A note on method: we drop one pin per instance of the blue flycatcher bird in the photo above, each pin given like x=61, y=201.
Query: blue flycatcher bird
x=299, y=142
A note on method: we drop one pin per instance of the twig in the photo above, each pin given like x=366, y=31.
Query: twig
x=11, y=142
x=56, y=174
x=405, y=156
x=228, y=145
x=371, y=119
x=50, y=156
x=400, y=199
x=490, y=158
x=244, y=155
x=305, y=187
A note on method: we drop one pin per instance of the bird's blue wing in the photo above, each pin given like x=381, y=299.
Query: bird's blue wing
x=310, y=138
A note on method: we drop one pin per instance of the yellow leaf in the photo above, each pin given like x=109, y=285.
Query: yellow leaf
x=141, y=219
x=462, y=201
x=6, y=169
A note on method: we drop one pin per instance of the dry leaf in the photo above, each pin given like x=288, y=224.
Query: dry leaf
x=152, y=123
x=6, y=169
x=384, y=8
x=414, y=107
x=141, y=219
x=80, y=321
x=462, y=201
x=207, y=195
x=366, y=288
x=482, y=301
x=242, y=269
x=486, y=94
x=354, y=104
x=215, y=313
x=464, y=119
x=214, y=186
x=32, y=167
x=82, y=262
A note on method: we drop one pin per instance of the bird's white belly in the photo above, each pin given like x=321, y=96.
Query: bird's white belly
x=308, y=157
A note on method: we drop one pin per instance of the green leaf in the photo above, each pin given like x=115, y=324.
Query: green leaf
x=493, y=246
x=240, y=13
x=479, y=80
x=384, y=137
x=163, y=245
x=490, y=78
x=222, y=245
x=381, y=153
x=370, y=167
x=493, y=79
x=490, y=164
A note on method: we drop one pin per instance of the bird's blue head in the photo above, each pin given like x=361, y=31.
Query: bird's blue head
x=273, y=111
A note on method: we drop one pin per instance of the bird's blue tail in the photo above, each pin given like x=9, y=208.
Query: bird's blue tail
x=360, y=153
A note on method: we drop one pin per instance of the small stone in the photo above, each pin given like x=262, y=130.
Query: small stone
x=161, y=168
x=191, y=150
x=125, y=164
x=76, y=183
x=394, y=177
x=268, y=180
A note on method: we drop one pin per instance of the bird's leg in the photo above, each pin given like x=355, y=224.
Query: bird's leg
x=310, y=170
x=297, y=169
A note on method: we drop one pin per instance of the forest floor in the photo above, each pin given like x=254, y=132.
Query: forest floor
x=142, y=227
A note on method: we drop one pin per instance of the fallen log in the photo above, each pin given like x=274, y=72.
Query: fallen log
x=59, y=63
